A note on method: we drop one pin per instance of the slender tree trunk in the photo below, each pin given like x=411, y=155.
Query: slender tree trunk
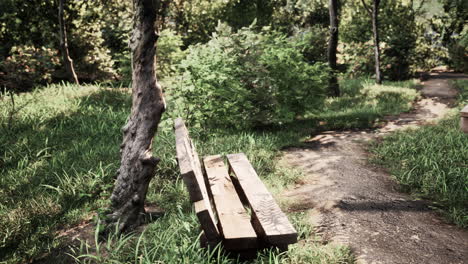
x=138, y=165
x=334, y=88
x=375, y=30
x=67, y=61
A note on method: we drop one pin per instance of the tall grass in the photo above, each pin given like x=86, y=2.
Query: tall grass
x=432, y=161
x=363, y=104
x=59, y=150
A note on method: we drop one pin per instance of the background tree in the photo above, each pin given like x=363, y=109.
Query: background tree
x=67, y=61
x=332, y=46
x=374, y=13
x=137, y=163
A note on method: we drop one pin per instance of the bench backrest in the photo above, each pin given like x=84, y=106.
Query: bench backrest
x=192, y=174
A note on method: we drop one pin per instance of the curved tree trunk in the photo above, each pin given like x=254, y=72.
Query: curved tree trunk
x=334, y=88
x=67, y=61
x=375, y=29
x=138, y=165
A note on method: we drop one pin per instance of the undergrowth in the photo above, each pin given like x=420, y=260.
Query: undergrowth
x=431, y=161
x=59, y=150
x=363, y=104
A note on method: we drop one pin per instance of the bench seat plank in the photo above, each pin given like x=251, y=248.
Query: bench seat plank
x=270, y=223
x=192, y=174
x=464, y=111
x=234, y=222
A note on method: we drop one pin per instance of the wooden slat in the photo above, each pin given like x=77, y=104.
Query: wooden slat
x=464, y=111
x=185, y=157
x=270, y=223
x=234, y=222
x=192, y=175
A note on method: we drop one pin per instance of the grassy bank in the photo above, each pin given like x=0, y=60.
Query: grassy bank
x=59, y=152
x=431, y=161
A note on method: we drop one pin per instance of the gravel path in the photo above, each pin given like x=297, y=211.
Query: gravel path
x=356, y=204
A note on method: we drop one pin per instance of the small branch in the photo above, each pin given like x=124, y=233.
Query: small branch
x=366, y=7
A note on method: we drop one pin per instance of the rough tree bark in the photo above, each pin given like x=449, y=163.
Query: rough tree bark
x=334, y=88
x=375, y=31
x=67, y=61
x=137, y=163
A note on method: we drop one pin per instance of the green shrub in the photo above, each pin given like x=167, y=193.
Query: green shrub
x=169, y=53
x=397, y=43
x=313, y=43
x=247, y=79
x=457, y=51
x=92, y=59
x=26, y=67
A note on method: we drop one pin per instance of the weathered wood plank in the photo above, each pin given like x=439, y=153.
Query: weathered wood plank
x=185, y=159
x=464, y=111
x=233, y=220
x=464, y=124
x=464, y=119
x=192, y=175
x=270, y=223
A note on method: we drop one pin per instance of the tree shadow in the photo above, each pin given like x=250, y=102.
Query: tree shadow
x=394, y=205
x=68, y=161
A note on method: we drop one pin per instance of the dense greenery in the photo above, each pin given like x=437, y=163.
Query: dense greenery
x=247, y=79
x=433, y=34
x=431, y=161
x=248, y=76
x=50, y=181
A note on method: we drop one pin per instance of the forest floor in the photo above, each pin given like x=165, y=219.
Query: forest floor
x=359, y=205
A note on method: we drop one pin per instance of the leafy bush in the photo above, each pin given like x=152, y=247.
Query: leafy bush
x=312, y=43
x=458, y=50
x=247, y=79
x=92, y=58
x=168, y=55
x=397, y=43
x=169, y=52
x=26, y=67
x=429, y=51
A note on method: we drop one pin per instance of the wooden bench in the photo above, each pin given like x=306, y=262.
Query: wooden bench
x=232, y=204
x=464, y=119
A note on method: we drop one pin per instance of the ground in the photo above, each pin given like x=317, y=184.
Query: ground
x=353, y=203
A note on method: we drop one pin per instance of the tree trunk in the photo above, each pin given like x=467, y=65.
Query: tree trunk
x=375, y=30
x=67, y=61
x=334, y=88
x=137, y=163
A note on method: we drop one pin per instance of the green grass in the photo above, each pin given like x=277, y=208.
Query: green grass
x=363, y=104
x=432, y=162
x=59, y=150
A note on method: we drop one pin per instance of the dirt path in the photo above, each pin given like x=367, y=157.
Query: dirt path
x=356, y=204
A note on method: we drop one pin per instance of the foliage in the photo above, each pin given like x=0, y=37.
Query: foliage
x=197, y=19
x=458, y=51
x=397, y=43
x=27, y=23
x=247, y=79
x=429, y=51
x=291, y=14
x=51, y=181
x=27, y=67
x=312, y=42
x=92, y=59
x=169, y=53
